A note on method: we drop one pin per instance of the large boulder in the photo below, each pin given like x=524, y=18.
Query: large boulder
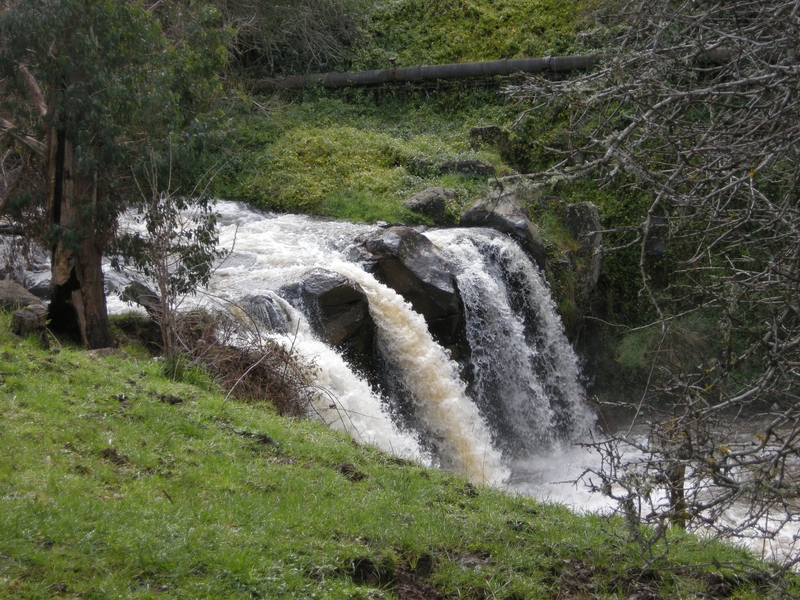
x=432, y=202
x=504, y=213
x=14, y=296
x=409, y=263
x=138, y=293
x=582, y=220
x=337, y=309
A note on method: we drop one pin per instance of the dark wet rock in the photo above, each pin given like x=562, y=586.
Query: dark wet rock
x=139, y=293
x=504, y=213
x=409, y=263
x=265, y=311
x=432, y=202
x=582, y=220
x=468, y=167
x=337, y=309
x=14, y=296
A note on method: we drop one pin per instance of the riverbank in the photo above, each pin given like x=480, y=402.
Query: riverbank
x=120, y=482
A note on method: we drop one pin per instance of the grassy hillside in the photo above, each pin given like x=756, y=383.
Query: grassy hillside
x=118, y=482
x=357, y=156
x=449, y=31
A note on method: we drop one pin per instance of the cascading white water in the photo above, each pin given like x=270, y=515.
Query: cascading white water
x=438, y=393
x=268, y=252
x=523, y=397
x=271, y=251
x=525, y=374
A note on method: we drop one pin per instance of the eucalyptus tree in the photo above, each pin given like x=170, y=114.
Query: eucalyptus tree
x=91, y=90
x=696, y=105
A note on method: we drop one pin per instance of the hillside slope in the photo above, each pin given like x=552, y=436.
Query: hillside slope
x=117, y=482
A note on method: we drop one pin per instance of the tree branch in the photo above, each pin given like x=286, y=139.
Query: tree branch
x=34, y=89
x=31, y=143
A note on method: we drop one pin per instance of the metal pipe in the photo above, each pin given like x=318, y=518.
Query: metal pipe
x=557, y=64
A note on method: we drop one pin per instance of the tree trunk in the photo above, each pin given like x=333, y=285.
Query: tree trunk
x=78, y=303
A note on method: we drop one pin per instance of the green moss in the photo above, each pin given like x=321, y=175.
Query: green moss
x=634, y=351
x=449, y=31
x=355, y=160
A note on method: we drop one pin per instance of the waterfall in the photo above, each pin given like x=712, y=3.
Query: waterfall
x=517, y=394
x=524, y=373
x=437, y=391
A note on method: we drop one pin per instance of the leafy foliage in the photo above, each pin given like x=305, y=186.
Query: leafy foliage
x=91, y=58
x=108, y=90
x=174, y=247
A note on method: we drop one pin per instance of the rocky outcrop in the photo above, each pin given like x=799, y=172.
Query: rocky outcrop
x=337, y=309
x=140, y=294
x=582, y=220
x=432, y=202
x=410, y=264
x=13, y=295
x=504, y=213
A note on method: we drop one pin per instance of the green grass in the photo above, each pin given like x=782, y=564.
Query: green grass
x=109, y=490
x=447, y=31
x=357, y=157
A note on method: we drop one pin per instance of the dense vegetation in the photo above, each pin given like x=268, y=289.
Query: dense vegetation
x=356, y=158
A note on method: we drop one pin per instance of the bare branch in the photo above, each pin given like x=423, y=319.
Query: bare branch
x=34, y=89
x=699, y=107
x=31, y=143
